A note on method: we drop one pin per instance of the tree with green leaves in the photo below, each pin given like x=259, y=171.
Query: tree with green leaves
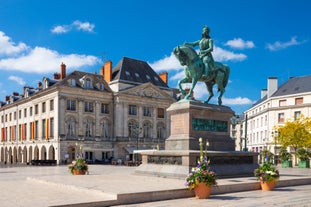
x=295, y=134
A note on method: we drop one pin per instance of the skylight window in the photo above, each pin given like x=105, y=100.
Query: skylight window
x=156, y=78
x=127, y=73
x=148, y=77
x=137, y=75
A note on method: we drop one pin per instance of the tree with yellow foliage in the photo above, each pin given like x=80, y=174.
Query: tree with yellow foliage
x=295, y=134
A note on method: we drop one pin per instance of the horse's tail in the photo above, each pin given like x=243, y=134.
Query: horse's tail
x=226, y=78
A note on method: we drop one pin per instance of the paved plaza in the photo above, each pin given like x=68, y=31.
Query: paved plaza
x=108, y=185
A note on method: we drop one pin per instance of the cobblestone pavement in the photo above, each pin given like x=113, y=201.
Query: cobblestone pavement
x=293, y=196
x=23, y=186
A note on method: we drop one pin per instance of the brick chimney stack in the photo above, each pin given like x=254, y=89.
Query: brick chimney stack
x=62, y=71
x=164, y=77
x=106, y=71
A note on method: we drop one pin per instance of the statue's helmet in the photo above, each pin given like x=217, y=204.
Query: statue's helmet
x=206, y=29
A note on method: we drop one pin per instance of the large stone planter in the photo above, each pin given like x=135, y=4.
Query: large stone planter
x=304, y=164
x=287, y=163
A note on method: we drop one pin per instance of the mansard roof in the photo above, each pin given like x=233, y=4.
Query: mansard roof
x=78, y=76
x=295, y=85
x=136, y=72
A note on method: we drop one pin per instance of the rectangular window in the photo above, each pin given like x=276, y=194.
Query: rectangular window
x=43, y=129
x=25, y=131
x=20, y=114
x=132, y=110
x=43, y=107
x=298, y=101
x=88, y=106
x=160, y=113
x=36, y=129
x=297, y=115
x=282, y=102
x=147, y=111
x=30, y=111
x=25, y=112
x=104, y=108
x=51, y=105
x=52, y=128
x=15, y=115
x=281, y=117
x=36, y=109
x=71, y=105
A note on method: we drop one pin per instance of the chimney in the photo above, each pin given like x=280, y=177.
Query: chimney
x=39, y=84
x=62, y=71
x=15, y=94
x=272, y=86
x=164, y=77
x=263, y=93
x=106, y=71
x=7, y=98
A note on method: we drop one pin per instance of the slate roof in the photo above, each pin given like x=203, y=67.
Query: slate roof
x=294, y=85
x=136, y=72
x=77, y=75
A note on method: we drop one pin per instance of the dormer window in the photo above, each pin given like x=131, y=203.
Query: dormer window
x=100, y=86
x=72, y=82
x=88, y=83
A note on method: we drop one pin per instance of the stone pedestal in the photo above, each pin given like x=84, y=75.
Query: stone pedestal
x=189, y=121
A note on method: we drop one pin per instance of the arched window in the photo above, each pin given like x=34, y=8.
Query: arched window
x=71, y=127
x=105, y=129
x=88, y=128
x=147, y=129
x=133, y=129
x=160, y=130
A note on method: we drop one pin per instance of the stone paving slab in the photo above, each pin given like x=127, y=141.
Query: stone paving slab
x=110, y=185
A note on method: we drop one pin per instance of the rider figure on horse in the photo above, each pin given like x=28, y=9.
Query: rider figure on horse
x=206, y=47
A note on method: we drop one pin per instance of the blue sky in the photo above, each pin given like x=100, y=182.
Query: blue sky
x=257, y=39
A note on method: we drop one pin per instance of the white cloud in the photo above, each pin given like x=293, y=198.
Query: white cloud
x=42, y=60
x=179, y=75
x=237, y=101
x=38, y=59
x=85, y=26
x=282, y=45
x=76, y=25
x=7, y=47
x=222, y=55
x=18, y=80
x=239, y=43
x=167, y=63
x=60, y=29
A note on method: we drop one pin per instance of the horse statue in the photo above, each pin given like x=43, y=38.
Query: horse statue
x=194, y=69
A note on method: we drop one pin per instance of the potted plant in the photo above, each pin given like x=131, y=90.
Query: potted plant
x=267, y=174
x=286, y=158
x=201, y=179
x=303, y=156
x=78, y=167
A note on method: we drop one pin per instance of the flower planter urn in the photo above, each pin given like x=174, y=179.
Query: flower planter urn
x=79, y=172
x=202, y=191
x=304, y=164
x=266, y=186
x=287, y=163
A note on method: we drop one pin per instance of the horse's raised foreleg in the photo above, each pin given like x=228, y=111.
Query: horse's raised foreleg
x=209, y=87
x=184, y=80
